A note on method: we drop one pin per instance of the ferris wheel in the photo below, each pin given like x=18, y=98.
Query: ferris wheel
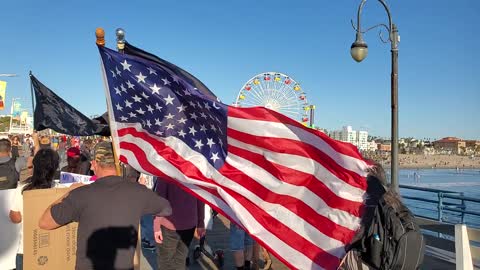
x=275, y=91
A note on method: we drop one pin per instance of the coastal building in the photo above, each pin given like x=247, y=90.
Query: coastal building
x=472, y=144
x=362, y=140
x=372, y=146
x=450, y=145
x=384, y=147
x=347, y=134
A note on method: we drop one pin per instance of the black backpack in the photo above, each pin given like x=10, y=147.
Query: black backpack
x=393, y=240
x=8, y=175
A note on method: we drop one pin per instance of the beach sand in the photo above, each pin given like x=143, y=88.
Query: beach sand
x=411, y=161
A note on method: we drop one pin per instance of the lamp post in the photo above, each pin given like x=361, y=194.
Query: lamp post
x=359, y=51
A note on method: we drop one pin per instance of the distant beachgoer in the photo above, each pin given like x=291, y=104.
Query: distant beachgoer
x=16, y=146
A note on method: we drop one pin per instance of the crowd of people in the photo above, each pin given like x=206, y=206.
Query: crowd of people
x=170, y=217
x=109, y=209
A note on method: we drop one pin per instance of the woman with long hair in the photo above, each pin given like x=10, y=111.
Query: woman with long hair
x=45, y=164
x=16, y=146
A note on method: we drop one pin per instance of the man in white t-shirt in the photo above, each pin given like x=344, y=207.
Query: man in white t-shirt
x=16, y=214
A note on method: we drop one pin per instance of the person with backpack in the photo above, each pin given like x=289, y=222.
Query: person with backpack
x=389, y=238
x=10, y=167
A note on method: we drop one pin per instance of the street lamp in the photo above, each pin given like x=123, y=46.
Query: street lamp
x=359, y=51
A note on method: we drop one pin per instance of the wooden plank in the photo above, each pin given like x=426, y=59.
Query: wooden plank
x=475, y=251
x=440, y=243
x=425, y=221
x=473, y=234
x=444, y=229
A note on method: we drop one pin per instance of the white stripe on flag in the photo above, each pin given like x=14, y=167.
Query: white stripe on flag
x=306, y=165
x=277, y=186
x=279, y=130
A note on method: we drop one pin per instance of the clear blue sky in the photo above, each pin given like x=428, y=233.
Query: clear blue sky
x=224, y=43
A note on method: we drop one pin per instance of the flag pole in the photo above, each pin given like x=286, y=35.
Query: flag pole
x=32, y=93
x=100, y=41
x=120, y=33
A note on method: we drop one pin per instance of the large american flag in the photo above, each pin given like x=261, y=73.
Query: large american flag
x=295, y=190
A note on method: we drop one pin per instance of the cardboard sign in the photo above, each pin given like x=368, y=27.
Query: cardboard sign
x=55, y=249
x=66, y=177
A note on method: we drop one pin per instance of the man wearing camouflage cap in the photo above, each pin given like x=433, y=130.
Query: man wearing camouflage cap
x=108, y=212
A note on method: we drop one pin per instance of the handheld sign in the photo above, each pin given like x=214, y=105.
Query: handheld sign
x=66, y=177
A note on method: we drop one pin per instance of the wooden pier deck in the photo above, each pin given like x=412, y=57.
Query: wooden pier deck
x=218, y=238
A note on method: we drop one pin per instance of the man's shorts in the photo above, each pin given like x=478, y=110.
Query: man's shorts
x=239, y=239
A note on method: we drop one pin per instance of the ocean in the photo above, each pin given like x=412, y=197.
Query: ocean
x=463, y=182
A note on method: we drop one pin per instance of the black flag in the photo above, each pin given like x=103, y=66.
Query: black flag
x=53, y=112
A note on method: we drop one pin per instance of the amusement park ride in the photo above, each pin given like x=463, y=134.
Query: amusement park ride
x=278, y=92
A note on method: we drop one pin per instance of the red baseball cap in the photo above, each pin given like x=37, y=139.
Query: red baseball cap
x=73, y=152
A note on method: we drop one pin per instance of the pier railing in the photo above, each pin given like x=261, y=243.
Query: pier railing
x=443, y=216
x=442, y=205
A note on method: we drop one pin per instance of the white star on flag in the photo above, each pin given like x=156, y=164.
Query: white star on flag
x=126, y=66
x=140, y=77
x=198, y=144
x=168, y=100
x=193, y=116
x=165, y=81
x=137, y=98
x=181, y=108
x=150, y=108
x=192, y=130
x=182, y=120
x=130, y=85
x=182, y=133
x=214, y=157
x=210, y=142
x=155, y=88
x=151, y=71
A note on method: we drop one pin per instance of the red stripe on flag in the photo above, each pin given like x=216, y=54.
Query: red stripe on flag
x=286, y=234
x=299, y=178
x=321, y=223
x=293, y=147
x=264, y=114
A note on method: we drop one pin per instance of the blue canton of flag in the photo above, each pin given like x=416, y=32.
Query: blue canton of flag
x=165, y=105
